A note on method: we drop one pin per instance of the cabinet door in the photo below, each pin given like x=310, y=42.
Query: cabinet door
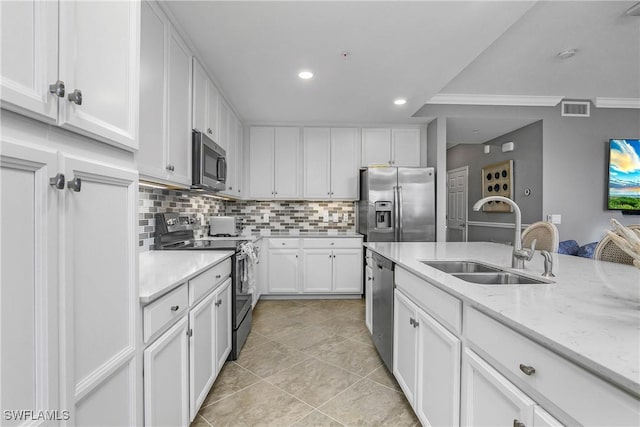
x=344, y=163
x=542, y=418
x=29, y=57
x=376, y=146
x=261, y=162
x=240, y=159
x=438, y=388
x=213, y=105
x=223, y=135
x=223, y=323
x=489, y=399
x=199, y=97
x=405, y=345
x=202, y=352
x=368, y=297
x=316, y=270
x=99, y=56
x=317, y=155
x=283, y=271
x=179, y=114
x=287, y=158
x=166, y=378
x=29, y=277
x=100, y=313
x=406, y=147
x=347, y=270
x=151, y=155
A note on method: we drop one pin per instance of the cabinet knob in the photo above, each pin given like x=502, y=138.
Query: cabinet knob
x=75, y=97
x=175, y=307
x=230, y=188
x=218, y=303
x=416, y=323
x=218, y=276
x=209, y=131
x=75, y=185
x=57, y=89
x=528, y=370
x=411, y=320
x=369, y=278
x=57, y=181
x=518, y=423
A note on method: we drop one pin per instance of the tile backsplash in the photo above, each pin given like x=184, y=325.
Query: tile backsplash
x=285, y=217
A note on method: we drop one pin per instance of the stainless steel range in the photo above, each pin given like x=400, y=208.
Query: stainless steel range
x=174, y=231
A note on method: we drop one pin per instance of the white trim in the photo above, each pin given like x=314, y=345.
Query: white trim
x=511, y=100
x=494, y=224
x=601, y=102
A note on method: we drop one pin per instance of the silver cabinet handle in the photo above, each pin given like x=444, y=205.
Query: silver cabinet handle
x=528, y=370
x=411, y=320
x=209, y=130
x=175, y=307
x=218, y=276
x=57, y=89
x=368, y=278
x=218, y=303
x=75, y=185
x=171, y=167
x=75, y=97
x=230, y=188
x=518, y=423
x=57, y=181
x=416, y=323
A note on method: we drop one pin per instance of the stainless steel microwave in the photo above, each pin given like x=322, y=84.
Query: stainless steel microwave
x=209, y=166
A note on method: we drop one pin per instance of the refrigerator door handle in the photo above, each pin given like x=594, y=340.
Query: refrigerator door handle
x=396, y=215
x=400, y=219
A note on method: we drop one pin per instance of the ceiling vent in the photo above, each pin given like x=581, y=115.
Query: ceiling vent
x=576, y=108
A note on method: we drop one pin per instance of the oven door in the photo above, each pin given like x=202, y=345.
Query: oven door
x=242, y=297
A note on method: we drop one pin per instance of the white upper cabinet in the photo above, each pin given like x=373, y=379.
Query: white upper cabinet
x=165, y=100
x=205, y=103
x=393, y=147
x=274, y=158
x=261, y=162
x=78, y=68
x=317, y=163
x=344, y=163
x=287, y=153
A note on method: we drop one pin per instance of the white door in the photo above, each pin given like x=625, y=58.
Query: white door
x=29, y=57
x=283, y=271
x=347, y=270
x=438, y=388
x=29, y=276
x=457, y=180
x=199, y=98
x=368, y=297
x=99, y=63
x=488, y=398
x=179, y=113
x=317, y=155
x=344, y=163
x=202, y=352
x=213, y=112
x=151, y=155
x=99, y=309
x=316, y=270
x=376, y=146
x=261, y=162
x=405, y=345
x=406, y=147
x=287, y=153
x=166, y=378
x=223, y=323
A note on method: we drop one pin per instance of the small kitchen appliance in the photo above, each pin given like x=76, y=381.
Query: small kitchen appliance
x=223, y=226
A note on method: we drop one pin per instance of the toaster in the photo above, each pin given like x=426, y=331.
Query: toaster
x=225, y=225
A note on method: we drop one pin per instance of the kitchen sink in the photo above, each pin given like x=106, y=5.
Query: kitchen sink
x=498, y=278
x=460, y=266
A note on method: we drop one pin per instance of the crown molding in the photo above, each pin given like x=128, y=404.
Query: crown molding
x=617, y=102
x=508, y=100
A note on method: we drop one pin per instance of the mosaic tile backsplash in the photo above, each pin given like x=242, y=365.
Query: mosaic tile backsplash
x=285, y=217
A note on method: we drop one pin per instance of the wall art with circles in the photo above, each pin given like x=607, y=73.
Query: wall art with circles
x=497, y=180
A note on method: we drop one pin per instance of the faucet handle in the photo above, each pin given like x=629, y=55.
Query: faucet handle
x=526, y=254
x=548, y=264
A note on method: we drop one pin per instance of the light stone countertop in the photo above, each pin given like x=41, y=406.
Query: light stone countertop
x=162, y=271
x=313, y=236
x=591, y=314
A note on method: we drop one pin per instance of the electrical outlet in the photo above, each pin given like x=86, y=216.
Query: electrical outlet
x=554, y=218
x=345, y=217
x=265, y=217
x=336, y=217
x=325, y=216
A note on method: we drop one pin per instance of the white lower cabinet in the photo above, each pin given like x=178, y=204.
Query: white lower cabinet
x=202, y=351
x=166, y=378
x=283, y=271
x=317, y=267
x=223, y=323
x=368, y=298
x=347, y=270
x=426, y=363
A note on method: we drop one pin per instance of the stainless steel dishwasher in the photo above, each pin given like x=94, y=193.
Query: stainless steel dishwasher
x=383, y=308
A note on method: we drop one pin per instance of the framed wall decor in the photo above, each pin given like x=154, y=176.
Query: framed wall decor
x=497, y=180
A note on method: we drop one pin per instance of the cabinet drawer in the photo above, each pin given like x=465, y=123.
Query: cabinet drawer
x=164, y=311
x=328, y=243
x=284, y=243
x=200, y=285
x=585, y=397
x=444, y=307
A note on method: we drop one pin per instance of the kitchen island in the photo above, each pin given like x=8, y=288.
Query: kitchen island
x=589, y=316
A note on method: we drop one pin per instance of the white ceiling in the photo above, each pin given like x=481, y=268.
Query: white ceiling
x=398, y=49
x=475, y=130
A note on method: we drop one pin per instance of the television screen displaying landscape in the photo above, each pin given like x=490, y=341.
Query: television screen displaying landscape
x=624, y=174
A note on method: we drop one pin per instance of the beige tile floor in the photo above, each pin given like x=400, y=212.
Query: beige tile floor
x=306, y=363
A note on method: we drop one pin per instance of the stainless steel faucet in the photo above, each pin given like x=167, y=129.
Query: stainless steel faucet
x=548, y=264
x=520, y=255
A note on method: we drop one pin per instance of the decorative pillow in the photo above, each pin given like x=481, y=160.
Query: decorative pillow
x=568, y=247
x=586, y=251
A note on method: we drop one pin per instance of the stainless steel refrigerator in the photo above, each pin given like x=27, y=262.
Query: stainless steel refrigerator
x=397, y=204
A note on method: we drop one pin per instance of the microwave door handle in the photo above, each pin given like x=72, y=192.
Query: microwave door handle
x=221, y=171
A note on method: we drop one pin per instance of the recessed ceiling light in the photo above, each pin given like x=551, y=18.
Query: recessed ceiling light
x=400, y=101
x=306, y=75
x=566, y=54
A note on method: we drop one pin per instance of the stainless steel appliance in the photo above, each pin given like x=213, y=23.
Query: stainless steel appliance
x=174, y=231
x=208, y=164
x=382, y=323
x=225, y=225
x=397, y=204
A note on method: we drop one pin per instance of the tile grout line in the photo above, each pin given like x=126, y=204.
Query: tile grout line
x=204, y=419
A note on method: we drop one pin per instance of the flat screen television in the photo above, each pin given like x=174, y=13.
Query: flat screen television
x=624, y=176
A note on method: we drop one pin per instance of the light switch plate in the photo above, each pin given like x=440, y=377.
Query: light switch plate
x=345, y=217
x=325, y=216
x=554, y=218
x=336, y=217
x=265, y=217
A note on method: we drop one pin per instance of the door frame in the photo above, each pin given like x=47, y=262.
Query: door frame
x=465, y=228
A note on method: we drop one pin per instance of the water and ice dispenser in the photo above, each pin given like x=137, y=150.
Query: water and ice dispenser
x=383, y=215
